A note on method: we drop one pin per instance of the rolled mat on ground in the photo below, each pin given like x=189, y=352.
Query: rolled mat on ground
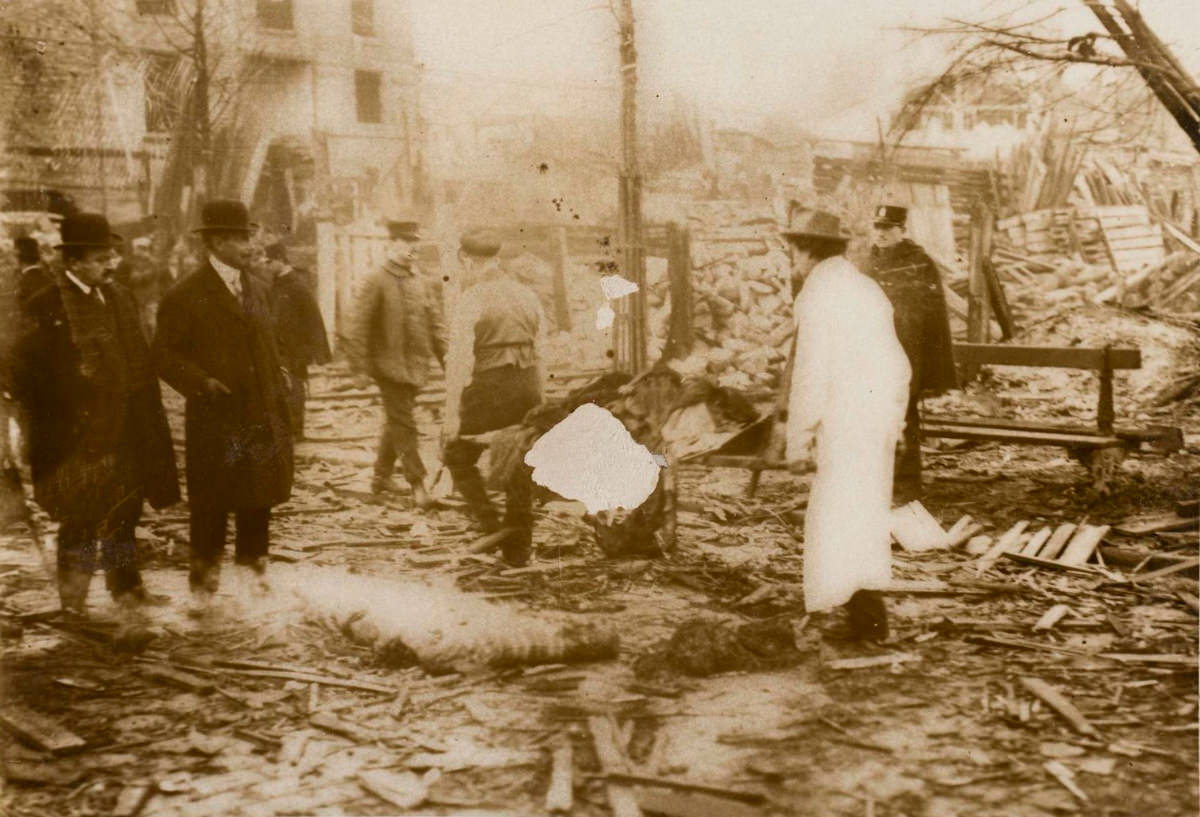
x=439, y=627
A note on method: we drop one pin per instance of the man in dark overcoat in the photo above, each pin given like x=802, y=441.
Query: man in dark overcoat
x=911, y=281
x=98, y=438
x=299, y=330
x=214, y=344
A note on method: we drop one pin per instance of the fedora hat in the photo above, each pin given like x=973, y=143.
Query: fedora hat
x=224, y=216
x=805, y=222
x=86, y=230
x=891, y=215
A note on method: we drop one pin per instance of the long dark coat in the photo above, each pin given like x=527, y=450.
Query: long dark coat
x=98, y=436
x=299, y=330
x=239, y=446
x=911, y=281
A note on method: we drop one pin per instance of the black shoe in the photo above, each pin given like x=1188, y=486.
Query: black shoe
x=867, y=615
x=517, y=546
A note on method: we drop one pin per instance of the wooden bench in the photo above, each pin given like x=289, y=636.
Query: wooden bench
x=1101, y=449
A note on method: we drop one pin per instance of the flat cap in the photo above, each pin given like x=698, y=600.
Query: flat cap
x=480, y=243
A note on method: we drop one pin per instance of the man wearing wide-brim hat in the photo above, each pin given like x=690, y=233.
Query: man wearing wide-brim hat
x=910, y=279
x=215, y=345
x=848, y=390
x=397, y=333
x=98, y=438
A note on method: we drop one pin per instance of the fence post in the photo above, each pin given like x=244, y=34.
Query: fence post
x=327, y=280
x=679, y=274
x=562, y=304
x=978, y=305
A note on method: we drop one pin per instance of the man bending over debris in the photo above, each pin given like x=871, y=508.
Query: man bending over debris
x=493, y=378
x=848, y=396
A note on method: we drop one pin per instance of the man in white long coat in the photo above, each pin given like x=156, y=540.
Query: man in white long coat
x=846, y=409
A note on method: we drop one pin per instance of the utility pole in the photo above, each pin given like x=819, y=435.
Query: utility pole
x=200, y=169
x=102, y=142
x=629, y=232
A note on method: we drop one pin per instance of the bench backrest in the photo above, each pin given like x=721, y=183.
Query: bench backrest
x=1062, y=357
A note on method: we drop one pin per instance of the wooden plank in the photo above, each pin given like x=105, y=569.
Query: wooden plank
x=998, y=435
x=40, y=730
x=1063, y=357
x=1155, y=524
x=621, y=799
x=1007, y=542
x=873, y=661
x=1057, y=541
x=1050, y=564
x=736, y=795
x=1036, y=541
x=178, y=678
x=1056, y=701
x=691, y=804
x=560, y=796
x=1186, y=564
x=132, y=800
x=1084, y=543
x=1051, y=617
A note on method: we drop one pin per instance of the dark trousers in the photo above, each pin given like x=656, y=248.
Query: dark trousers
x=908, y=463
x=208, y=537
x=494, y=399
x=295, y=399
x=85, y=544
x=399, y=437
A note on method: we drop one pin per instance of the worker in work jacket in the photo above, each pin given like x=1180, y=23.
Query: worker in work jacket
x=398, y=332
x=493, y=378
x=911, y=282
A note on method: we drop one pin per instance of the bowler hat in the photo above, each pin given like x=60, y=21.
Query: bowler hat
x=891, y=215
x=86, y=230
x=480, y=243
x=224, y=216
x=807, y=223
x=405, y=228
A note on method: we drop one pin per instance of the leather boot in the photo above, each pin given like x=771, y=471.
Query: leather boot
x=421, y=497
x=204, y=580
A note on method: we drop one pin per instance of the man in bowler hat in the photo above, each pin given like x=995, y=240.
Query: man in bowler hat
x=215, y=345
x=911, y=281
x=98, y=438
x=397, y=333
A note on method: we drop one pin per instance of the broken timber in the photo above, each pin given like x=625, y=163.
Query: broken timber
x=40, y=731
x=621, y=798
x=560, y=796
x=1056, y=701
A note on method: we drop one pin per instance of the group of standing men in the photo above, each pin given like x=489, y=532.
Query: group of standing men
x=98, y=443
x=867, y=347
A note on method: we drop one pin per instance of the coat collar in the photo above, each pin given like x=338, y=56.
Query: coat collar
x=215, y=288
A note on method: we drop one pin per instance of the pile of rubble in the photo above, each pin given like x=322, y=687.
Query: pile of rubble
x=741, y=303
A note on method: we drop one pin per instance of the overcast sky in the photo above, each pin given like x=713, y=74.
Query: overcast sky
x=809, y=59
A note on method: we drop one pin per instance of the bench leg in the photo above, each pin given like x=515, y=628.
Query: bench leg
x=1102, y=465
x=752, y=487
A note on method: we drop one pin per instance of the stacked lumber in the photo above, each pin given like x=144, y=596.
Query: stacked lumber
x=1123, y=237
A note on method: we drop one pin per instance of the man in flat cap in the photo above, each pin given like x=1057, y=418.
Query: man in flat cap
x=98, y=438
x=847, y=396
x=493, y=378
x=215, y=345
x=911, y=281
x=397, y=332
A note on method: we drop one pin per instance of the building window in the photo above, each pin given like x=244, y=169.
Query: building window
x=362, y=17
x=155, y=6
x=162, y=82
x=275, y=14
x=367, y=97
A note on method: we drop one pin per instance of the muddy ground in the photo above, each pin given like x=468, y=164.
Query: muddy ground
x=946, y=727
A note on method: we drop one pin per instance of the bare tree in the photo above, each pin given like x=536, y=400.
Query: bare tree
x=984, y=49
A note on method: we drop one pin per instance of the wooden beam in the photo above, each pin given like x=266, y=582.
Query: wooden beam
x=1061, y=357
